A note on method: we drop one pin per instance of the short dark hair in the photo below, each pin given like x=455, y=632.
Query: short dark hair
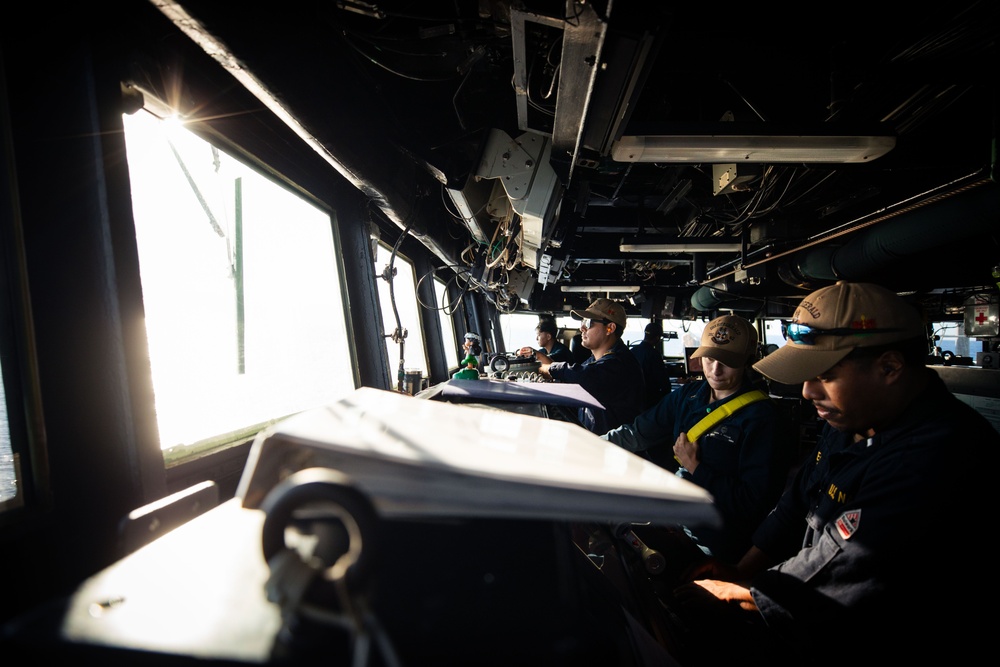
x=547, y=325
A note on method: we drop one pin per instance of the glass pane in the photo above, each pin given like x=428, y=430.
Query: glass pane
x=8, y=472
x=404, y=294
x=635, y=330
x=519, y=330
x=688, y=335
x=952, y=340
x=240, y=285
x=772, y=333
x=447, y=324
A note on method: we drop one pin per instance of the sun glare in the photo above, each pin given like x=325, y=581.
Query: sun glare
x=236, y=271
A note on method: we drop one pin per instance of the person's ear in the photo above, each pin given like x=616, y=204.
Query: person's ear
x=890, y=363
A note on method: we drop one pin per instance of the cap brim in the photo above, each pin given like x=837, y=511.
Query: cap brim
x=725, y=357
x=792, y=364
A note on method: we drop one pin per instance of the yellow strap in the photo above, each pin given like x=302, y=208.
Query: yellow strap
x=723, y=411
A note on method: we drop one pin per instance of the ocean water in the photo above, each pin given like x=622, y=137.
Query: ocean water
x=8, y=481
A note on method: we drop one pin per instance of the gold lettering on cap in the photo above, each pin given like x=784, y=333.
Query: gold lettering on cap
x=810, y=308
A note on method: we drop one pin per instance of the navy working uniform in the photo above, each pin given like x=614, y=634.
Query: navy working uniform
x=743, y=461
x=615, y=380
x=654, y=372
x=881, y=516
x=876, y=551
x=559, y=352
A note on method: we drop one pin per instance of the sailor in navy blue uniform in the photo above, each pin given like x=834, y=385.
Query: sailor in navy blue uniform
x=870, y=553
x=742, y=461
x=550, y=348
x=611, y=374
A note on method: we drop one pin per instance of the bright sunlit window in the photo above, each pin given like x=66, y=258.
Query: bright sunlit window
x=8, y=472
x=403, y=294
x=447, y=323
x=240, y=286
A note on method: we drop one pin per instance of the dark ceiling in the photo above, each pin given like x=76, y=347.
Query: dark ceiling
x=432, y=105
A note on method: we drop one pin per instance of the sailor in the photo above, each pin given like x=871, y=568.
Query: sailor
x=866, y=552
x=742, y=460
x=611, y=374
x=550, y=348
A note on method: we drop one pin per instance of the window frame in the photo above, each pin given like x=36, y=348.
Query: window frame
x=389, y=326
x=177, y=454
x=449, y=337
x=18, y=366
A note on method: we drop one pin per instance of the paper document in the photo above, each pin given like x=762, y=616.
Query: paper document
x=416, y=457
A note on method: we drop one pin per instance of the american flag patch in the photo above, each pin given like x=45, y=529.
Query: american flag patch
x=848, y=523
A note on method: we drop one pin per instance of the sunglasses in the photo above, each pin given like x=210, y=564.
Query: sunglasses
x=589, y=322
x=806, y=335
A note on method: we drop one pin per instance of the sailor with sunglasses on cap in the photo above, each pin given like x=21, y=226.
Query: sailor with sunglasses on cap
x=742, y=455
x=611, y=374
x=868, y=553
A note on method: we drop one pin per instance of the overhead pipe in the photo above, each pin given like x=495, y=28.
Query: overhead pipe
x=975, y=212
x=707, y=299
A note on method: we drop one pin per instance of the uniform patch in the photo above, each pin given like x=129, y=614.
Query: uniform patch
x=848, y=523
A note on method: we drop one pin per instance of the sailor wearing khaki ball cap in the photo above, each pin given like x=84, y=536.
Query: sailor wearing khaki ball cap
x=902, y=475
x=832, y=322
x=611, y=374
x=726, y=435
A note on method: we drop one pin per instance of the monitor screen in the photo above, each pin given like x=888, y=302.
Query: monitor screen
x=691, y=366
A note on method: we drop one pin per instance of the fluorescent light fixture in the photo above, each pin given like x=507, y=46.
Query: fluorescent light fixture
x=622, y=289
x=681, y=246
x=717, y=148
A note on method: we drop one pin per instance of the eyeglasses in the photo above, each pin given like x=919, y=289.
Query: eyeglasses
x=589, y=322
x=806, y=335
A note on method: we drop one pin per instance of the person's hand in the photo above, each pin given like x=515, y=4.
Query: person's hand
x=686, y=452
x=526, y=352
x=710, y=568
x=706, y=597
x=543, y=370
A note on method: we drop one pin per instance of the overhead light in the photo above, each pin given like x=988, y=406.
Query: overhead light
x=715, y=148
x=617, y=289
x=679, y=246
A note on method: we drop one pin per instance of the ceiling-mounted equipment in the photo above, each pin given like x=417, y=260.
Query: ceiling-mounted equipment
x=610, y=289
x=596, y=63
x=690, y=245
x=522, y=168
x=732, y=142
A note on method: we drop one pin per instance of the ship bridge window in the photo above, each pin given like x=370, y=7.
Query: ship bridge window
x=445, y=311
x=8, y=470
x=241, y=289
x=397, y=294
x=23, y=465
